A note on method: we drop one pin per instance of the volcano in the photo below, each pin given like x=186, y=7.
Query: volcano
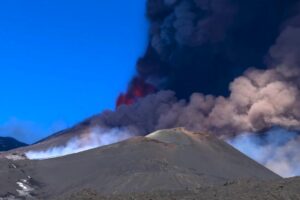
x=166, y=160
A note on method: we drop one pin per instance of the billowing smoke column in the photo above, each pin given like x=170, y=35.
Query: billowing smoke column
x=198, y=48
x=223, y=66
x=258, y=100
x=203, y=45
x=199, y=45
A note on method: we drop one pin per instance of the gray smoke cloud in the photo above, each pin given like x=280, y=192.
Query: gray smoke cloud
x=193, y=42
x=258, y=100
x=186, y=26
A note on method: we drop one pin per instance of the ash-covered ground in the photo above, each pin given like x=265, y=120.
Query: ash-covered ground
x=167, y=164
x=235, y=190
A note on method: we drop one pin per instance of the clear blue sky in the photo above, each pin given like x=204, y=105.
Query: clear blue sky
x=64, y=60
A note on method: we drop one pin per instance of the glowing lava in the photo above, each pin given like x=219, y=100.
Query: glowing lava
x=138, y=88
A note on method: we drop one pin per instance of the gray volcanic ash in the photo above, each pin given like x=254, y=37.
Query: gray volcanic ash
x=201, y=45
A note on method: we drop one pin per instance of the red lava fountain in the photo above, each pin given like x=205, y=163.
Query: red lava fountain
x=138, y=88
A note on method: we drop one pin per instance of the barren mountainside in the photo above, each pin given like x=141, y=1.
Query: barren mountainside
x=162, y=162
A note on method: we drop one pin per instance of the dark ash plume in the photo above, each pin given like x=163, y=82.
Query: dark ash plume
x=258, y=100
x=202, y=45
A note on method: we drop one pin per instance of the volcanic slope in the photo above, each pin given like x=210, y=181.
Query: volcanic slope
x=168, y=160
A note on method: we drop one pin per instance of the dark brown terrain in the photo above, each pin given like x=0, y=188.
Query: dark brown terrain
x=168, y=164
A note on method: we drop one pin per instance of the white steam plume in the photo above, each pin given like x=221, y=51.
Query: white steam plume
x=96, y=138
x=278, y=150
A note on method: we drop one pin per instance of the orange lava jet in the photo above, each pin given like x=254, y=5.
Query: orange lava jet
x=138, y=88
